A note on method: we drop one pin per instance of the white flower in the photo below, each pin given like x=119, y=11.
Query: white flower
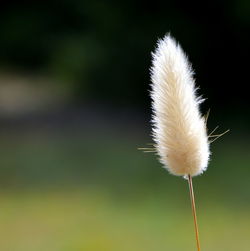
x=179, y=130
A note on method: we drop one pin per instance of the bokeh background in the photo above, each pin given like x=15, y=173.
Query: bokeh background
x=75, y=106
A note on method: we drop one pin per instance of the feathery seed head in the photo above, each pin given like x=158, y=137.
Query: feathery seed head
x=179, y=130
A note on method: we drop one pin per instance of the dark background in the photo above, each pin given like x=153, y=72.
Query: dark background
x=75, y=106
x=74, y=40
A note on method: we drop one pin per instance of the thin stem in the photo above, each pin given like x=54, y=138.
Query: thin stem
x=191, y=190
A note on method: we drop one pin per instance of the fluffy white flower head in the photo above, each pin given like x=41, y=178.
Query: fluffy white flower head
x=179, y=130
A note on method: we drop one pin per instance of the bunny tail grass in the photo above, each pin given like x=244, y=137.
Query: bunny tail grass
x=192, y=198
x=179, y=130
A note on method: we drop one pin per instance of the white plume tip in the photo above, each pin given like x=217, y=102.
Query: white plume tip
x=179, y=130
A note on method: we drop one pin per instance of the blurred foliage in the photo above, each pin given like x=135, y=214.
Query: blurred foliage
x=80, y=192
x=82, y=219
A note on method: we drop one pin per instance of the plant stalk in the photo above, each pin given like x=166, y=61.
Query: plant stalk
x=192, y=198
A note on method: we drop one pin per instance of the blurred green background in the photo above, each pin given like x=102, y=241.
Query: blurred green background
x=75, y=106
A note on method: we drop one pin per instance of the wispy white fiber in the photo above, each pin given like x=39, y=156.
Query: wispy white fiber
x=179, y=130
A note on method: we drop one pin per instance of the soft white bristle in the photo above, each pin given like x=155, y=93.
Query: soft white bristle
x=179, y=130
